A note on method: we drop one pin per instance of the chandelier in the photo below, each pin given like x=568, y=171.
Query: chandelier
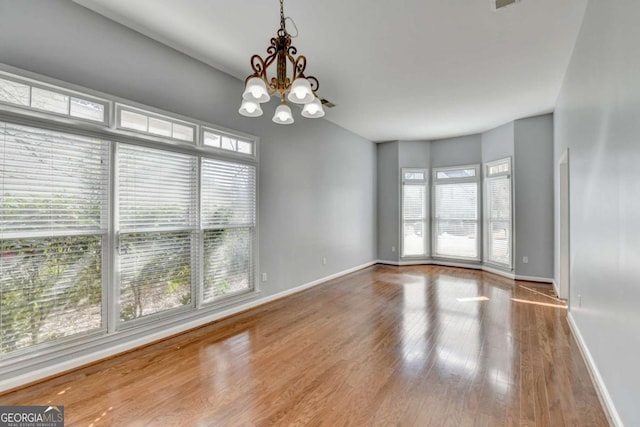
x=297, y=88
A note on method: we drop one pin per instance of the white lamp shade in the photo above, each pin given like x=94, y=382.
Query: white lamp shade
x=250, y=109
x=313, y=110
x=300, y=92
x=256, y=91
x=283, y=115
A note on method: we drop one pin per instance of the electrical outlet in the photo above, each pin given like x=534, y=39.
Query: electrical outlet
x=525, y=260
x=393, y=248
x=264, y=277
x=324, y=260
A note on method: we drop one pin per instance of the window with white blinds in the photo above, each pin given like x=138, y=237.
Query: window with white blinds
x=498, y=213
x=97, y=236
x=157, y=220
x=228, y=223
x=53, y=205
x=455, y=223
x=414, y=213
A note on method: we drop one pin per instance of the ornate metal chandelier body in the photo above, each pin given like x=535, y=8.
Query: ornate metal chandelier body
x=297, y=88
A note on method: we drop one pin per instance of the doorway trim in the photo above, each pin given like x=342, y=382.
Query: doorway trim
x=564, y=270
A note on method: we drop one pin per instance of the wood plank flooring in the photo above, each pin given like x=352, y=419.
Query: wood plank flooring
x=383, y=346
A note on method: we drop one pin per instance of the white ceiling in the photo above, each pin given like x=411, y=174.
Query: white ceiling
x=404, y=69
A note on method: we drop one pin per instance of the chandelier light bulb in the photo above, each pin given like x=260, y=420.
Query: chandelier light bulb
x=313, y=110
x=300, y=91
x=250, y=109
x=283, y=115
x=256, y=91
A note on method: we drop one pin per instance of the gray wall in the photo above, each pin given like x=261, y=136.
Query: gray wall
x=464, y=150
x=388, y=201
x=597, y=117
x=317, y=181
x=414, y=154
x=498, y=143
x=533, y=207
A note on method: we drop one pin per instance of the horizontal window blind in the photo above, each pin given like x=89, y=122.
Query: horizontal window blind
x=456, y=220
x=155, y=272
x=498, y=214
x=53, y=202
x=52, y=183
x=228, y=194
x=228, y=262
x=228, y=220
x=414, y=216
x=157, y=208
x=156, y=189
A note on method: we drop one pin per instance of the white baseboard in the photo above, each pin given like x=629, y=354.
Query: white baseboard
x=451, y=264
x=385, y=262
x=555, y=288
x=88, y=356
x=596, y=378
x=308, y=285
x=498, y=272
x=535, y=279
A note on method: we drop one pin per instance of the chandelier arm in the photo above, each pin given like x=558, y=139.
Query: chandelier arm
x=313, y=82
x=299, y=65
x=273, y=48
x=259, y=66
x=269, y=60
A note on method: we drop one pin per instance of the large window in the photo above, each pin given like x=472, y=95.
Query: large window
x=157, y=219
x=497, y=213
x=105, y=229
x=455, y=213
x=53, y=204
x=414, y=213
x=228, y=221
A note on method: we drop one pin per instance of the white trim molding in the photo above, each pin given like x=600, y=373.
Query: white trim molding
x=555, y=287
x=596, y=378
x=534, y=279
x=481, y=267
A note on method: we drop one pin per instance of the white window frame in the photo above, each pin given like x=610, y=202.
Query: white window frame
x=487, y=177
x=22, y=361
x=120, y=108
x=231, y=153
x=27, y=109
x=434, y=220
x=427, y=228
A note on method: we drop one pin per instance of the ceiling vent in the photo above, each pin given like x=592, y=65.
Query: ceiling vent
x=499, y=4
x=327, y=103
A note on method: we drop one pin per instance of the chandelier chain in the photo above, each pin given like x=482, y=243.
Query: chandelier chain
x=282, y=23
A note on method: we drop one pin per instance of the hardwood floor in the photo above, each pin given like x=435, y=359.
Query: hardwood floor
x=382, y=346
